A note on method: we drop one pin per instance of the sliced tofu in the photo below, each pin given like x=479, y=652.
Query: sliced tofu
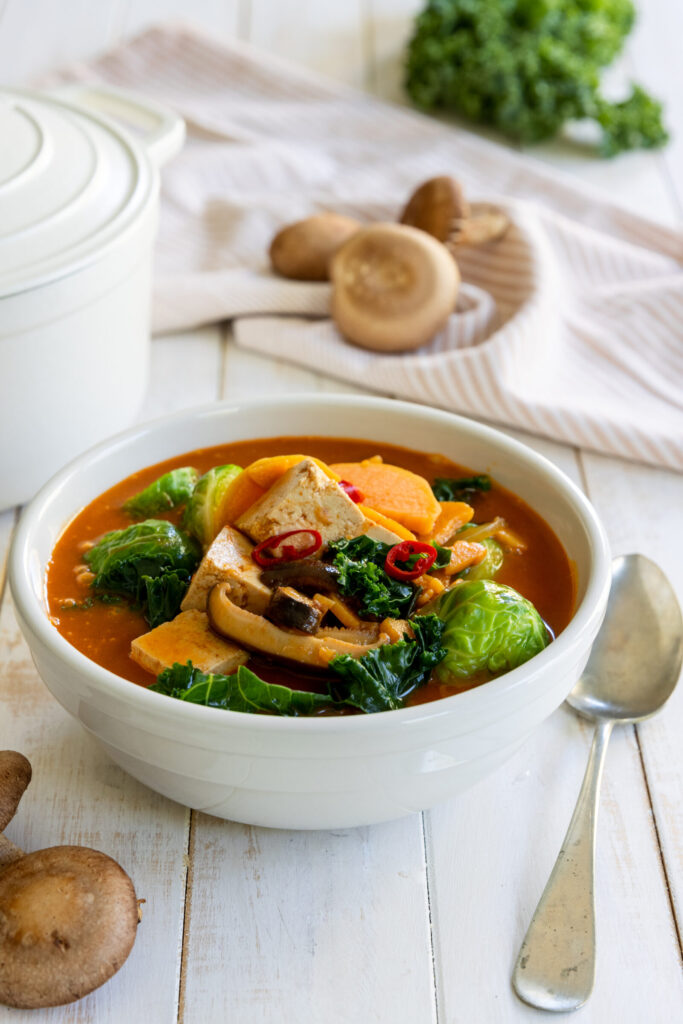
x=380, y=533
x=303, y=498
x=229, y=560
x=188, y=637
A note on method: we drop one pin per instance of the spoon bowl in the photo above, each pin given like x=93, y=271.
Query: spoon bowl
x=636, y=659
x=632, y=671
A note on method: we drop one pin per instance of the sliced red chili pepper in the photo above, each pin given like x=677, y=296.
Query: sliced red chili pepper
x=274, y=552
x=352, y=491
x=406, y=552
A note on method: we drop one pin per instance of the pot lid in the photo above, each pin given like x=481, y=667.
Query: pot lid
x=70, y=181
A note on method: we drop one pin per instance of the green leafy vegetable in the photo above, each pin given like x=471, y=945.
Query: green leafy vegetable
x=200, y=514
x=460, y=489
x=166, y=492
x=528, y=66
x=163, y=595
x=488, y=627
x=131, y=561
x=489, y=566
x=382, y=679
x=361, y=575
x=242, y=691
x=379, y=681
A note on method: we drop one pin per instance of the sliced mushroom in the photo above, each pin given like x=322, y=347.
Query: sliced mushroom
x=303, y=250
x=366, y=634
x=306, y=572
x=293, y=610
x=439, y=207
x=68, y=919
x=258, y=634
x=15, y=775
x=393, y=287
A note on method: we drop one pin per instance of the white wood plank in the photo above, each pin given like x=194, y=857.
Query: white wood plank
x=641, y=509
x=308, y=926
x=38, y=36
x=325, y=37
x=185, y=371
x=78, y=796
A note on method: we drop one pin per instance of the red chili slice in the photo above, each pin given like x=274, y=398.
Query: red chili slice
x=352, y=491
x=281, y=553
x=402, y=552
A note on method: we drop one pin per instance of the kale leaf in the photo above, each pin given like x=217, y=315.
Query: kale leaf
x=166, y=492
x=528, y=66
x=461, y=488
x=382, y=679
x=133, y=562
x=163, y=595
x=361, y=575
x=242, y=691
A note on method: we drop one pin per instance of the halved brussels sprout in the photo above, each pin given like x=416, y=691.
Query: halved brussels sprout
x=489, y=566
x=200, y=514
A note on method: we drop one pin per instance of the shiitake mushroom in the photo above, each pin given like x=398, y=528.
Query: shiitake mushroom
x=68, y=914
x=439, y=207
x=303, y=250
x=394, y=287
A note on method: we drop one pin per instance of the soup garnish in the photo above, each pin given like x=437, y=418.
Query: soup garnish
x=346, y=586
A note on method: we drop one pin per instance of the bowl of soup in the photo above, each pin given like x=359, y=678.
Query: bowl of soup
x=312, y=611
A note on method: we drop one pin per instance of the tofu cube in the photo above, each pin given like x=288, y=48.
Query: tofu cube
x=188, y=637
x=229, y=560
x=303, y=498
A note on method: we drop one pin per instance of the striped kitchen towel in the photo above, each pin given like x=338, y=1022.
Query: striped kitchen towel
x=571, y=326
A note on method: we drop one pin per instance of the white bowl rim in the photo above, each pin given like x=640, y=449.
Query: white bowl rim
x=178, y=711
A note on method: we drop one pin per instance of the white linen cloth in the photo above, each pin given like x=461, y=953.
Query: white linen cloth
x=571, y=326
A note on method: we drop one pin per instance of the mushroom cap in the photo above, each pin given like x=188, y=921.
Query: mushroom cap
x=303, y=250
x=393, y=287
x=15, y=775
x=68, y=918
x=437, y=207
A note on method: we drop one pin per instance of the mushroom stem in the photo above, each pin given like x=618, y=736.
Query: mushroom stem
x=9, y=852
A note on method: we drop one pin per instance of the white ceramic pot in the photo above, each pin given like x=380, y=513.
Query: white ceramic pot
x=320, y=772
x=79, y=197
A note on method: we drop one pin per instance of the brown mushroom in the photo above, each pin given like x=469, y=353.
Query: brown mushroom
x=68, y=914
x=15, y=775
x=68, y=918
x=258, y=634
x=439, y=207
x=303, y=250
x=393, y=287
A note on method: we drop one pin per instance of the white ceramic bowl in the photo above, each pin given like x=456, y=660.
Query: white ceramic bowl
x=321, y=772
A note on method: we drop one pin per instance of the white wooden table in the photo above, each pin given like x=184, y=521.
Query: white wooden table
x=417, y=921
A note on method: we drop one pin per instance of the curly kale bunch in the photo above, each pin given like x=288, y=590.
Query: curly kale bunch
x=528, y=66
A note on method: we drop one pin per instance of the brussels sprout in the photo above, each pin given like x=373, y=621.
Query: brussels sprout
x=489, y=566
x=166, y=492
x=149, y=562
x=488, y=627
x=200, y=514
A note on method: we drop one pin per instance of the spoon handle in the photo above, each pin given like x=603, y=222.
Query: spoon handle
x=555, y=968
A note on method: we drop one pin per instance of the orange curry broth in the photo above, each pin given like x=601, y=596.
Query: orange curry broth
x=104, y=632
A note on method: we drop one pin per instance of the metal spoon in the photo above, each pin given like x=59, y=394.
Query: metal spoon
x=632, y=670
